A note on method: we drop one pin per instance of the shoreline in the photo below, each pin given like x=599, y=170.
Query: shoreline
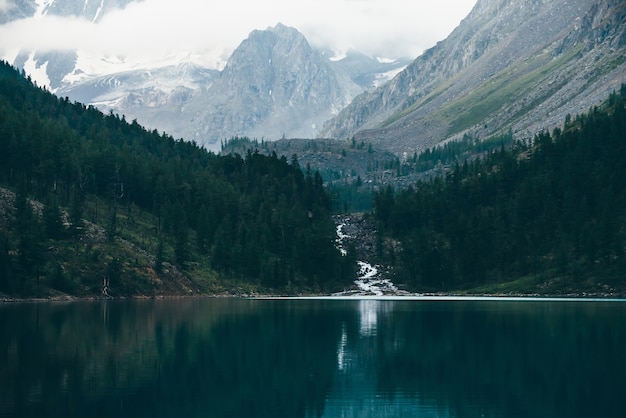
x=6, y=299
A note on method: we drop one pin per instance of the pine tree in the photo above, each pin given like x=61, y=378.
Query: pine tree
x=53, y=219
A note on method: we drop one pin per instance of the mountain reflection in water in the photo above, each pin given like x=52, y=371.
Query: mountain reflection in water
x=312, y=358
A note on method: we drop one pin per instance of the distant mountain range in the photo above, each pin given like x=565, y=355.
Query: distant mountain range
x=510, y=65
x=274, y=84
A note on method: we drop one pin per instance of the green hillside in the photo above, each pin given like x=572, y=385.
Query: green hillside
x=544, y=217
x=89, y=198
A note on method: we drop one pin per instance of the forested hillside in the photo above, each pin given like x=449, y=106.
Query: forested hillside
x=90, y=197
x=551, y=213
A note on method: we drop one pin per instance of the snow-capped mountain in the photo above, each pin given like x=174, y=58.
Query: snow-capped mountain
x=50, y=68
x=274, y=85
x=156, y=97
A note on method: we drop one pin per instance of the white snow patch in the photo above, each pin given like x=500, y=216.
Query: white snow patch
x=98, y=11
x=106, y=105
x=382, y=78
x=42, y=7
x=339, y=55
x=11, y=55
x=92, y=64
x=38, y=73
x=385, y=60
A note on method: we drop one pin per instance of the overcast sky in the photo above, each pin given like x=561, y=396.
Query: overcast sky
x=149, y=30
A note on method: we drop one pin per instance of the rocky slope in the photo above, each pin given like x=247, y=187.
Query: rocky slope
x=520, y=65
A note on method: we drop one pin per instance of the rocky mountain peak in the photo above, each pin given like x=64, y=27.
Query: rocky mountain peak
x=268, y=64
x=274, y=85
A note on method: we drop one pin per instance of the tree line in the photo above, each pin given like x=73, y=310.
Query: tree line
x=258, y=218
x=551, y=208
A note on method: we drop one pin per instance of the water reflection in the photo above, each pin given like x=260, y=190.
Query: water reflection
x=356, y=390
x=368, y=358
x=341, y=350
x=190, y=358
x=368, y=314
x=486, y=359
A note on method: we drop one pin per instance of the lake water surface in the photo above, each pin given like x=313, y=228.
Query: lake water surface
x=313, y=358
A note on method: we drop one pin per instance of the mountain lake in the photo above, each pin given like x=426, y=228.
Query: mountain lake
x=310, y=357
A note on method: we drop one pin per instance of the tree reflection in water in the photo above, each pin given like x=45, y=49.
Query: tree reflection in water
x=297, y=358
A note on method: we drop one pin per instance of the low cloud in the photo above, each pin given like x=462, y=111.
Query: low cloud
x=152, y=29
x=6, y=6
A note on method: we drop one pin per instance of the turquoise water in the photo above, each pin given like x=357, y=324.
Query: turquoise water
x=313, y=358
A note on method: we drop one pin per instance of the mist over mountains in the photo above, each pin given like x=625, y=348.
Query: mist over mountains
x=518, y=66
x=274, y=85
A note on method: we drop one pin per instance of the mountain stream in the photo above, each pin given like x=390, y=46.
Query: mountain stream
x=371, y=279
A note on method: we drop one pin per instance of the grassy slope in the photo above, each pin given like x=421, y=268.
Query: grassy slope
x=499, y=91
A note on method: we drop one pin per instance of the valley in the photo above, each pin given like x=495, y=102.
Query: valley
x=227, y=179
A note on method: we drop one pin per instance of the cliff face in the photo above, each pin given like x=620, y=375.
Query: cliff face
x=520, y=65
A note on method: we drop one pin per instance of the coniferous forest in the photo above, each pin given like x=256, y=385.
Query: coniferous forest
x=551, y=213
x=91, y=202
x=90, y=199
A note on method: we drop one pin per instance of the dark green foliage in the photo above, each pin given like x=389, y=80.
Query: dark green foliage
x=59, y=280
x=6, y=269
x=557, y=205
x=450, y=153
x=258, y=218
x=30, y=238
x=53, y=219
x=158, y=263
